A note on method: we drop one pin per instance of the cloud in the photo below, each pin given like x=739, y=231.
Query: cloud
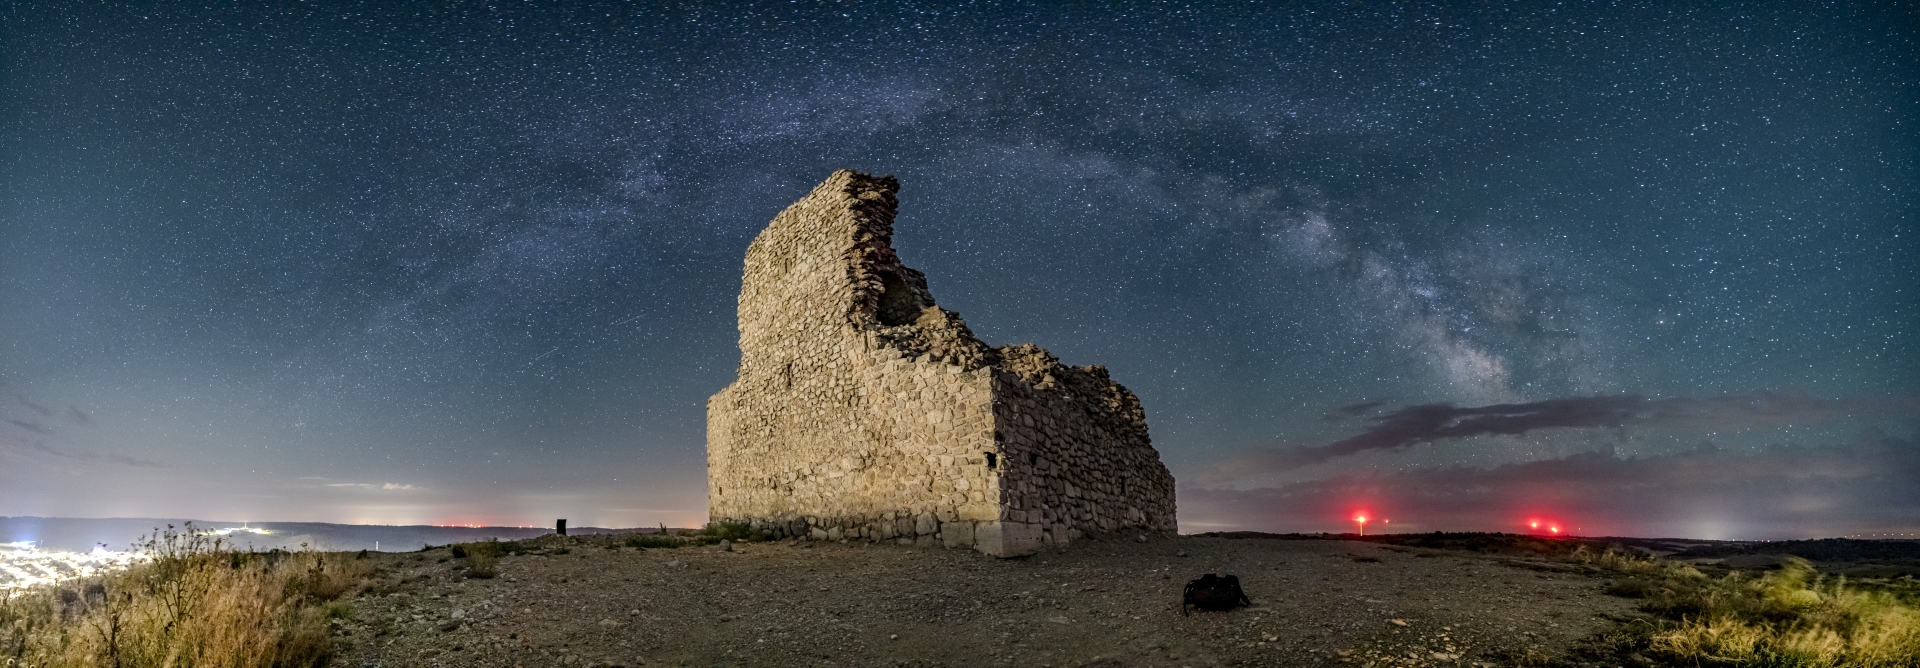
x=37, y=408
x=391, y=486
x=40, y=433
x=36, y=445
x=1427, y=423
x=126, y=461
x=1782, y=491
x=1353, y=410
x=34, y=427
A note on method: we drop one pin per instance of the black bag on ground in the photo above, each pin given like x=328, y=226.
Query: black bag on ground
x=1213, y=592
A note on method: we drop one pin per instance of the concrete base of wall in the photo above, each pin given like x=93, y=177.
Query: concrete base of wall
x=1007, y=539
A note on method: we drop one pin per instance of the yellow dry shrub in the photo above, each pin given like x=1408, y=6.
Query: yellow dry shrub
x=1790, y=618
x=195, y=603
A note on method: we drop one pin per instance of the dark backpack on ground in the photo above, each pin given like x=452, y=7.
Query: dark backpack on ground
x=1213, y=592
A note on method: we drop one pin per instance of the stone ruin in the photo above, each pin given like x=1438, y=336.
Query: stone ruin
x=865, y=411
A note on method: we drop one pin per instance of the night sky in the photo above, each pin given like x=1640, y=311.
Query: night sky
x=1631, y=270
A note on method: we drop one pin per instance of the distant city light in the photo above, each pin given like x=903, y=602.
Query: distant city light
x=233, y=530
x=24, y=565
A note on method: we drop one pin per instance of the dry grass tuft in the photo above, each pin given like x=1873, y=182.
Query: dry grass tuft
x=483, y=558
x=197, y=602
x=1791, y=618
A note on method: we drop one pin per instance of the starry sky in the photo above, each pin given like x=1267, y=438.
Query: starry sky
x=1631, y=269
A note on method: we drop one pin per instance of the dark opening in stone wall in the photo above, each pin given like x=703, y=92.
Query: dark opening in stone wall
x=898, y=304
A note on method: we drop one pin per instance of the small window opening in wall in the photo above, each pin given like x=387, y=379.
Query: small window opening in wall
x=991, y=460
x=1033, y=459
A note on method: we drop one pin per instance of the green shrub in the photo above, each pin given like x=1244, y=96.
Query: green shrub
x=483, y=558
x=651, y=541
x=1630, y=587
x=338, y=610
x=736, y=532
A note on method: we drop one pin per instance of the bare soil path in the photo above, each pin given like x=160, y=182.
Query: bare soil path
x=1097, y=603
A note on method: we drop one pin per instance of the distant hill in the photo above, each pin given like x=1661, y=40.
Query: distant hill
x=1880, y=558
x=83, y=534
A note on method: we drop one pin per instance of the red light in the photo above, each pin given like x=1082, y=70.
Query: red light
x=1550, y=527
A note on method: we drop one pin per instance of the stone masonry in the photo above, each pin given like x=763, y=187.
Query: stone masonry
x=865, y=411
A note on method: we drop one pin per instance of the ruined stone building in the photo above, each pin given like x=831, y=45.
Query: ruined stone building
x=863, y=410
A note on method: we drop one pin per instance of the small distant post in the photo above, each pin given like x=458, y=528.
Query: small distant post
x=560, y=527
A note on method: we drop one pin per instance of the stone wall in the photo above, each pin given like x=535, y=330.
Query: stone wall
x=864, y=410
x=1078, y=456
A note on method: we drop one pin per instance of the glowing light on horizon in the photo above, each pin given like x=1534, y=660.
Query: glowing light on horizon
x=24, y=565
x=233, y=530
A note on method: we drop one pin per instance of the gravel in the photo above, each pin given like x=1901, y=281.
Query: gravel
x=1097, y=603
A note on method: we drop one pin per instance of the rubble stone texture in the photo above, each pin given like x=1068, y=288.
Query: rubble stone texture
x=863, y=410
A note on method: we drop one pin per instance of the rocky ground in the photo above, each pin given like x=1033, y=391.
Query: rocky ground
x=1098, y=603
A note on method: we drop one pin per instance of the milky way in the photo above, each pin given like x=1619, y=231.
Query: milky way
x=478, y=264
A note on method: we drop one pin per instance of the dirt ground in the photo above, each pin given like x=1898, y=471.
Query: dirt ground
x=1097, y=603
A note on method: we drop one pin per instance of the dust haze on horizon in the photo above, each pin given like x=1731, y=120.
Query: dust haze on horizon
x=1633, y=270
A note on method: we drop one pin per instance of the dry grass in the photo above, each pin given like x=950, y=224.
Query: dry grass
x=1793, y=617
x=483, y=557
x=197, y=602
